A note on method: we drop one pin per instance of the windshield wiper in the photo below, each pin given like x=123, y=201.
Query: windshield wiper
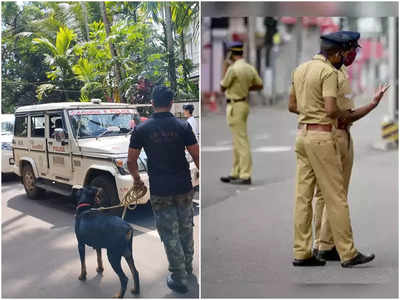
x=109, y=129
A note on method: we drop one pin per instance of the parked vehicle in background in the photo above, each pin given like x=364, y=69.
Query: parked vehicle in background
x=7, y=129
x=59, y=145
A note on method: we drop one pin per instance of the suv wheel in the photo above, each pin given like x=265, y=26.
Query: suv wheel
x=29, y=180
x=109, y=195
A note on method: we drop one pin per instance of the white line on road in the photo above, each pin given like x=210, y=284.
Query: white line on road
x=258, y=149
x=272, y=149
x=145, y=230
x=215, y=148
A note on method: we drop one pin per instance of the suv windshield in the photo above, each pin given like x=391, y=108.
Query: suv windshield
x=87, y=123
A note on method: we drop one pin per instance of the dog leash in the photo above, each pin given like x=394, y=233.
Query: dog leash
x=130, y=200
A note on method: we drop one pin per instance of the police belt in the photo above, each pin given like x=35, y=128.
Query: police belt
x=317, y=127
x=235, y=100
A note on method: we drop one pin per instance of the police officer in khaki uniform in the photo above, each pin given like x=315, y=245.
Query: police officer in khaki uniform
x=324, y=244
x=313, y=96
x=239, y=79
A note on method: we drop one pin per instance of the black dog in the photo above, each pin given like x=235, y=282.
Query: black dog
x=99, y=230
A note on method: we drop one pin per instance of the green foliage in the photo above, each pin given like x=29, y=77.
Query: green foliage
x=84, y=98
x=60, y=51
x=43, y=89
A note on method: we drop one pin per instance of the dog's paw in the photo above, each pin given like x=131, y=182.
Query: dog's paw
x=100, y=270
x=82, y=277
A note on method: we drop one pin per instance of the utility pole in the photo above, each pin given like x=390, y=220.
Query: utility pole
x=393, y=71
x=252, y=44
x=390, y=127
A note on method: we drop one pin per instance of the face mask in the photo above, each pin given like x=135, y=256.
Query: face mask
x=339, y=64
x=349, y=59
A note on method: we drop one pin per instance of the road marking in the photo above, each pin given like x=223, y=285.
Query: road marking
x=145, y=230
x=258, y=149
x=272, y=149
x=215, y=148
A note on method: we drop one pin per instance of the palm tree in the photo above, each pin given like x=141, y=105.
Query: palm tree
x=117, y=93
x=184, y=15
x=161, y=14
x=59, y=56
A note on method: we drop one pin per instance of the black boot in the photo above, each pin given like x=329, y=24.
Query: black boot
x=332, y=254
x=176, y=285
x=358, y=260
x=309, y=262
x=227, y=178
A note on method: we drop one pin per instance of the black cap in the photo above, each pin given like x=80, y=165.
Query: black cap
x=236, y=46
x=347, y=39
x=353, y=38
x=189, y=107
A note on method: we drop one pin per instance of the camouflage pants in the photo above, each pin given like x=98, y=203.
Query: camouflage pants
x=174, y=222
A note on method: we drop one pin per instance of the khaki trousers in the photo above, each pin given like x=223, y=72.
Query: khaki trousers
x=323, y=239
x=318, y=162
x=236, y=116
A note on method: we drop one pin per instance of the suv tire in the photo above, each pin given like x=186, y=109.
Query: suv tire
x=29, y=181
x=109, y=196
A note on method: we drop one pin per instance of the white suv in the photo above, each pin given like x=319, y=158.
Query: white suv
x=7, y=128
x=59, y=145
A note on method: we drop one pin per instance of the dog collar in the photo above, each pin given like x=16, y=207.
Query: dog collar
x=82, y=205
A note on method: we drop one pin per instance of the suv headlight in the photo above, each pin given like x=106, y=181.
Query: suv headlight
x=122, y=165
x=6, y=146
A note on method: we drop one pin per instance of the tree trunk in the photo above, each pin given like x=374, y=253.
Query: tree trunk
x=185, y=72
x=114, y=55
x=170, y=46
x=85, y=19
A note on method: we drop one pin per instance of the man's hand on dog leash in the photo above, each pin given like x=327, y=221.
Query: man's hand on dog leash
x=137, y=182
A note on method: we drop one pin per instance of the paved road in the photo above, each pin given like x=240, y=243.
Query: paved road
x=247, y=232
x=40, y=256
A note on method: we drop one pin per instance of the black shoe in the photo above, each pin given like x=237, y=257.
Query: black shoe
x=309, y=262
x=176, y=286
x=241, y=181
x=358, y=260
x=331, y=255
x=227, y=178
x=315, y=252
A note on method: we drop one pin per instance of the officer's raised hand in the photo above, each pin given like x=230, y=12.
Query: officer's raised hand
x=380, y=91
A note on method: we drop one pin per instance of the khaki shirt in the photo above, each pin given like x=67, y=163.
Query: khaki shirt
x=239, y=77
x=344, y=98
x=311, y=82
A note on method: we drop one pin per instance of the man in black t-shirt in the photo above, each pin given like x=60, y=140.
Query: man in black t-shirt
x=164, y=139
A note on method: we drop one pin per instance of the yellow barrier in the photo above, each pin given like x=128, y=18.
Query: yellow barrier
x=390, y=131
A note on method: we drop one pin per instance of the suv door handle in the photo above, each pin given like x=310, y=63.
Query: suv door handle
x=50, y=143
x=63, y=143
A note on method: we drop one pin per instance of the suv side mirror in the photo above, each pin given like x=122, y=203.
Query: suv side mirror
x=59, y=134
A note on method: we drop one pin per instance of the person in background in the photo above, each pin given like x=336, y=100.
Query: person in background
x=188, y=113
x=239, y=78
